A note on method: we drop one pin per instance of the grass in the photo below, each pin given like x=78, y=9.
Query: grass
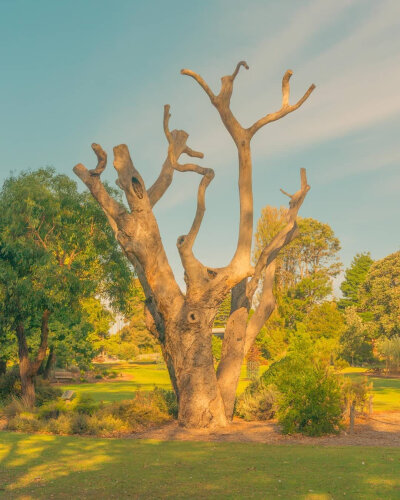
x=44, y=467
x=386, y=391
x=146, y=376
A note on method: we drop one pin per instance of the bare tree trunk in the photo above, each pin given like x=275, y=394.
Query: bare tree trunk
x=182, y=322
x=200, y=400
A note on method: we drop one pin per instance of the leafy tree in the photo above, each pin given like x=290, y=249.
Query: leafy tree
x=55, y=248
x=355, y=342
x=355, y=276
x=380, y=296
x=389, y=349
x=312, y=253
x=303, y=279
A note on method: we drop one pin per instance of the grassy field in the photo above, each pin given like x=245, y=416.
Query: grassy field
x=45, y=467
x=145, y=376
x=386, y=391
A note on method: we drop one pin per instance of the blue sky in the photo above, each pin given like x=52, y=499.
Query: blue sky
x=79, y=72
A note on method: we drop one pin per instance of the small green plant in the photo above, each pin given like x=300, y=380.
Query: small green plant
x=85, y=404
x=52, y=409
x=258, y=402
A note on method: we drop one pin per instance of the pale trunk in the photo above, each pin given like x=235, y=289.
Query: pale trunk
x=200, y=401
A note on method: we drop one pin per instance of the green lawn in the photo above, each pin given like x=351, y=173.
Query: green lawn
x=146, y=376
x=386, y=391
x=45, y=467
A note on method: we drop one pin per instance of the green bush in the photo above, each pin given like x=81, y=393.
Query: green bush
x=144, y=410
x=170, y=400
x=52, y=409
x=301, y=388
x=24, y=422
x=85, y=404
x=85, y=416
x=310, y=398
x=46, y=392
x=80, y=423
x=10, y=384
x=257, y=402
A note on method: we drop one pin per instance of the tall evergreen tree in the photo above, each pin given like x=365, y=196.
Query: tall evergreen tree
x=355, y=276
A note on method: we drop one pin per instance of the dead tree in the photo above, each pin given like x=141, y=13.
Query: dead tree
x=182, y=322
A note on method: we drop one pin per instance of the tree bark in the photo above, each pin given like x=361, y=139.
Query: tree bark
x=200, y=400
x=28, y=369
x=51, y=359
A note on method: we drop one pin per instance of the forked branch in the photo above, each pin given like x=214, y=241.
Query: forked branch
x=176, y=147
x=286, y=108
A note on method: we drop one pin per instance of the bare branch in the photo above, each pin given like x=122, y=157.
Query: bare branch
x=186, y=242
x=101, y=160
x=112, y=209
x=239, y=64
x=201, y=82
x=286, y=107
x=264, y=309
x=283, y=238
x=176, y=147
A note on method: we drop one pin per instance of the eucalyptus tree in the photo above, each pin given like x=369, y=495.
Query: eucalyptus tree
x=182, y=322
x=55, y=249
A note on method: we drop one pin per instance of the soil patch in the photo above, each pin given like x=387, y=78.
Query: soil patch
x=380, y=429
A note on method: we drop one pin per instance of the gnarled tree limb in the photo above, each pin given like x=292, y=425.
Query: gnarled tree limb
x=286, y=108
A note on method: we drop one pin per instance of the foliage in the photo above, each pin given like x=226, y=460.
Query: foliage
x=310, y=397
x=354, y=277
x=380, y=295
x=253, y=362
x=86, y=416
x=315, y=248
x=389, y=349
x=56, y=248
x=303, y=279
x=355, y=341
x=216, y=346
x=45, y=391
x=10, y=387
x=258, y=402
x=10, y=384
x=223, y=313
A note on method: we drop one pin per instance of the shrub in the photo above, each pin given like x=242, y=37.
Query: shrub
x=24, y=422
x=85, y=404
x=303, y=390
x=258, y=402
x=46, y=392
x=80, y=423
x=60, y=425
x=310, y=398
x=170, y=400
x=144, y=410
x=10, y=384
x=52, y=409
x=16, y=406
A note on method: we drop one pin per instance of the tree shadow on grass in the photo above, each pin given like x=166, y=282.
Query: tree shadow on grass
x=45, y=467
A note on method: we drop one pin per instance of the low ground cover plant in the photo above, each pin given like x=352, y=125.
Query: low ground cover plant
x=85, y=416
